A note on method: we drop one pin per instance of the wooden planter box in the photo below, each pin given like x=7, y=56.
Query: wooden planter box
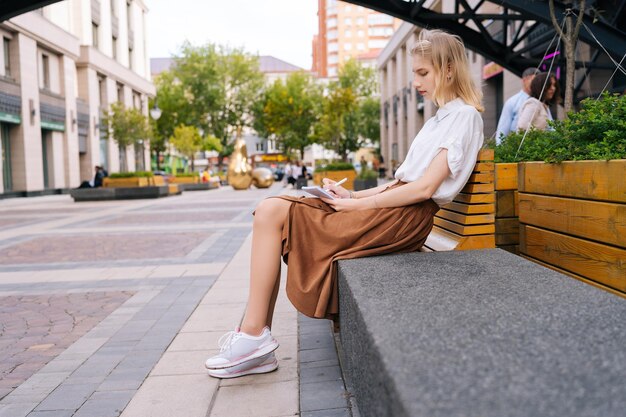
x=336, y=176
x=126, y=182
x=184, y=180
x=507, y=217
x=573, y=219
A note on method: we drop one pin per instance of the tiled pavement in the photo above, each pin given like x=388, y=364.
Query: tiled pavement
x=111, y=308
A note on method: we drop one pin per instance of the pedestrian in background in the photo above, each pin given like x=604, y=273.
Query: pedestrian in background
x=535, y=111
x=510, y=111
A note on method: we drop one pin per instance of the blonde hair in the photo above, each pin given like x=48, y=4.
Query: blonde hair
x=452, y=75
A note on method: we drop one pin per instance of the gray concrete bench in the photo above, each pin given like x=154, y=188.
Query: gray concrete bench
x=479, y=333
x=125, y=193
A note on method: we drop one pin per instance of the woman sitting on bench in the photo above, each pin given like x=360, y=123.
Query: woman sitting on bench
x=312, y=233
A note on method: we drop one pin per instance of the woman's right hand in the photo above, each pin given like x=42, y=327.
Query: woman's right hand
x=337, y=191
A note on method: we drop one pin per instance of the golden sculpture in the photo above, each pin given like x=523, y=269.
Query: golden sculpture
x=239, y=170
x=262, y=177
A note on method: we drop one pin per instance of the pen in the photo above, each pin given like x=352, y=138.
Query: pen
x=337, y=184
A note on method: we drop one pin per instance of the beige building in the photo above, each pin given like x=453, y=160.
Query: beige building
x=349, y=31
x=60, y=67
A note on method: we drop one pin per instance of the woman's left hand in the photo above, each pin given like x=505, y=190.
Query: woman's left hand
x=348, y=204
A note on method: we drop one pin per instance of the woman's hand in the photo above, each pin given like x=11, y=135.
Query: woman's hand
x=350, y=204
x=336, y=191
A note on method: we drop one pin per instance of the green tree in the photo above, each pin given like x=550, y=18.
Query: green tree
x=287, y=112
x=349, y=113
x=240, y=83
x=127, y=126
x=188, y=141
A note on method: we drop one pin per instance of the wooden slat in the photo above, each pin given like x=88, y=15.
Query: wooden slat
x=506, y=238
x=578, y=277
x=484, y=167
x=466, y=219
x=603, y=222
x=595, y=261
x=485, y=155
x=478, y=188
x=475, y=198
x=506, y=176
x=465, y=230
x=506, y=203
x=507, y=225
x=470, y=208
x=483, y=177
x=444, y=240
x=590, y=180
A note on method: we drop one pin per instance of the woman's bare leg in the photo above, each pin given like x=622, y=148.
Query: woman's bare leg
x=265, y=263
x=270, y=309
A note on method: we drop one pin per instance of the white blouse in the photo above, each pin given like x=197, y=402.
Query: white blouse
x=457, y=127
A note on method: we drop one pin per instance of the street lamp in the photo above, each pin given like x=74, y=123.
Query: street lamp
x=155, y=111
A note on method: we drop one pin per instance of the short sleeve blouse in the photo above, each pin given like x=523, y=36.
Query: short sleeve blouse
x=457, y=127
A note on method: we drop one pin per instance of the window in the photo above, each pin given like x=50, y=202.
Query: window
x=348, y=8
x=348, y=33
x=360, y=21
x=347, y=46
x=360, y=46
x=332, y=34
x=379, y=19
x=333, y=47
x=331, y=23
x=347, y=21
x=6, y=45
x=129, y=14
x=94, y=34
x=113, y=8
x=45, y=71
x=136, y=100
x=130, y=58
x=114, y=47
x=332, y=72
x=333, y=59
x=120, y=92
x=102, y=90
x=376, y=43
x=361, y=33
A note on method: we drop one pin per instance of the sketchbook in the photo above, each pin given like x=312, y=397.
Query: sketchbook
x=318, y=192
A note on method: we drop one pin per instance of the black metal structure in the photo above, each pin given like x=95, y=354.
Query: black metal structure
x=516, y=39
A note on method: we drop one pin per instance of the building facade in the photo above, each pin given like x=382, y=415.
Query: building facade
x=348, y=31
x=62, y=66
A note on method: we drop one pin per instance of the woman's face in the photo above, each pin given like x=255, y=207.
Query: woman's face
x=423, y=76
x=550, y=89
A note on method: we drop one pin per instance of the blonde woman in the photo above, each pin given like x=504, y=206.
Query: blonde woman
x=311, y=234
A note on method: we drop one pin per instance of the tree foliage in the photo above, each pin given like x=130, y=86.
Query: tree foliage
x=287, y=111
x=348, y=111
x=128, y=126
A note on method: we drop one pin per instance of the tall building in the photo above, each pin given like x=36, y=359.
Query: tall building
x=60, y=67
x=348, y=31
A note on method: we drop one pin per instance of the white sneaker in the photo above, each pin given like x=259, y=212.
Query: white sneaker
x=262, y=365
x=238, y=347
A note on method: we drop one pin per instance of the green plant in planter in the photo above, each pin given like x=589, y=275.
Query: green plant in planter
x=367, y=174
x=336, y=166
x=596, y=132
x=188, y=175
x=136, y=174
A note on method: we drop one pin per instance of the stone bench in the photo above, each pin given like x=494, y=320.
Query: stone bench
x=479, y=333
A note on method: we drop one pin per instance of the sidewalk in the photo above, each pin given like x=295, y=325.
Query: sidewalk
x=111, y=308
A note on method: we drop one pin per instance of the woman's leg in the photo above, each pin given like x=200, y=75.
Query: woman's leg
x=265, y=263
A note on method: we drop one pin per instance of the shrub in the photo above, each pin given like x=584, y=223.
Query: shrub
x=336, y=166
x=367, y=174
x=596, y=132
x=187, y=174
x=136, y=174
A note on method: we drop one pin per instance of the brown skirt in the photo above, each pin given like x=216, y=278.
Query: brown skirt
x=315, y=236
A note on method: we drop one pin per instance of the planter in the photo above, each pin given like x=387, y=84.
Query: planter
x=336, y=176
x=361, y=184
x=507, y=220
x=125, y=182
x=184, y=180
x=573, y=219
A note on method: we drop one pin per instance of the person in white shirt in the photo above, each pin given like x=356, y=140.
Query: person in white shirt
x=510, y=111
x=312, y=233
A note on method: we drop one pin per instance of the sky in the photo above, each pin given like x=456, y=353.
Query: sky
x=281, y=28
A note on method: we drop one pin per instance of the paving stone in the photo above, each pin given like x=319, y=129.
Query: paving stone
x=67, y=397
x=335, y=412
x=323, y=395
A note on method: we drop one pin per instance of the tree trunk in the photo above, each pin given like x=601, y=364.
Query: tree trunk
x=569, y=38
x=158, y=157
